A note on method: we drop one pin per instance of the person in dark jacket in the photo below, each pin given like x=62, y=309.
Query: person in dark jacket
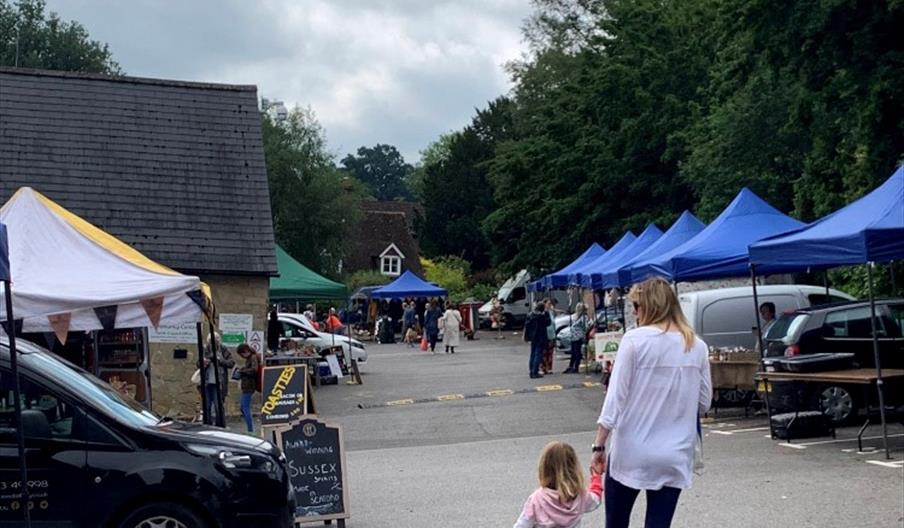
x=249, y=363
x=275, y=330
x=431, y=324
x=535, y=332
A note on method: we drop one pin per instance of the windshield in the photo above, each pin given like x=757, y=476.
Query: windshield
x=786, y=326
x=91, y=390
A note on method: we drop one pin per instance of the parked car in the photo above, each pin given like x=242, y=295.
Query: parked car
x=842, y=327
x=299, y=329
x=98, y=458
x=563, y=326
x=725, y=317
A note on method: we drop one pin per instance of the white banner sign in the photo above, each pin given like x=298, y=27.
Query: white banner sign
x=184, y=333
x=235, y=328
x=606, y=345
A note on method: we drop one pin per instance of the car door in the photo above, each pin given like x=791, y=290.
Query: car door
x=54, y=454
x=896, y=318
x=850, y=330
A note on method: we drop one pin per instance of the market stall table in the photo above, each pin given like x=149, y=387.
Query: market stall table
x=865, y=377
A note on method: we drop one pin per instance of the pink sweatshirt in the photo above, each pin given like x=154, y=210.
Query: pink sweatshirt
x=544, y=510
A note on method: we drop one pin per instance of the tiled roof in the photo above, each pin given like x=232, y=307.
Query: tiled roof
x=175, y=169
x=374, y=233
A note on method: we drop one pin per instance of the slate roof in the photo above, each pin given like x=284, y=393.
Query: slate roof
x=374, y=233
x=175, y=169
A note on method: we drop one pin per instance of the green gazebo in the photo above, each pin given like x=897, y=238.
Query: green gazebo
x=298, y=283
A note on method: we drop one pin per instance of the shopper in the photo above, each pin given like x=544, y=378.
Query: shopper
x=333, y=324
x=248, y=373
x=546, y=364
x=561, y=501
x=659, y=388
x=451, y=328
x=409, y=317
x=275, y=331
x=577, y=334
x=209, y=375
x=431, y=324
x=535, y=332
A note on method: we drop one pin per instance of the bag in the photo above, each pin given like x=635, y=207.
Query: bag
x=424, y=344
x=196, y=377
x=806, y=424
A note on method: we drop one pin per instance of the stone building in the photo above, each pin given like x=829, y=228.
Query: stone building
x=175, y=169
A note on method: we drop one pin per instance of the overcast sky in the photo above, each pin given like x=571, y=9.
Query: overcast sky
x=374, y=71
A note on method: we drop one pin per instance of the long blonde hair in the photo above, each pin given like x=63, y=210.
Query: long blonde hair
x=559, y=470
x=657, y=304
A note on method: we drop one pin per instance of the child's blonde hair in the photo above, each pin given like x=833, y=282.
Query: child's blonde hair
x=559, y=471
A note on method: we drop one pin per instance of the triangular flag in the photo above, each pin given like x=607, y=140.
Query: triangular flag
x=50, y=339
x=60, y=325
x=107, y=316
x=199, y=298
x=154, y=309
x=17, y=326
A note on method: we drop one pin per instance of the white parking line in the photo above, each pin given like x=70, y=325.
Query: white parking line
x=804, y=445
x=748, y=430
x=897, y=464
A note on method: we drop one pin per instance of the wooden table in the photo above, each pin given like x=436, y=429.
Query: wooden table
x=736, y=375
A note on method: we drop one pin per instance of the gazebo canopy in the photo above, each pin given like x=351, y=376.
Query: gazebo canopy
x=581, y=275
x=870, y=229
x=70, y=275
x=409, y=285
x=685, y=228
x=720, y=250
x=298, y=282
x=559, y=279
x=608, y=276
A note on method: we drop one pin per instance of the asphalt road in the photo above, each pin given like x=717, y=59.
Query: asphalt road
x=452, y=441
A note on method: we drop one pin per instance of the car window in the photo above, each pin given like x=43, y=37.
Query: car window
x=518, y=294
x=852, y=323
x=817, y=299
x=738, y=315
x=44, y=414
x=897, y=317
x=786, y=325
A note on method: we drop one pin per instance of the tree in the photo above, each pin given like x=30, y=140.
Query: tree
x=382, y=169
x=457, y=195
x=314, y=205
x=32, y=38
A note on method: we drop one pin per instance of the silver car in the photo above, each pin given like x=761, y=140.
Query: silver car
x=299, y=329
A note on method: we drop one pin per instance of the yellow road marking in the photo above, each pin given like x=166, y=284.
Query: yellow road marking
x=592, y=384
x=447, y=397
x=545, y=388
x=500, y=392
x=400, y=402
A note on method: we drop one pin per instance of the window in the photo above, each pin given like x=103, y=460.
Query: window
x=897, y=316
x=390, y=265
x=43, y=413
x=518, y=294
x=852, y=323
x=817, y=299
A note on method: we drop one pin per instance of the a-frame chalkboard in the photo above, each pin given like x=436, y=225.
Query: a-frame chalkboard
x=316, y=458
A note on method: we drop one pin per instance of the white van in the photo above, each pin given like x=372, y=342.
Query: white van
x=516, y=300
x=726, y=317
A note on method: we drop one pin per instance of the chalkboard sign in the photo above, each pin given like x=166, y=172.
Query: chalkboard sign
x=316, y=459
x=285, y=394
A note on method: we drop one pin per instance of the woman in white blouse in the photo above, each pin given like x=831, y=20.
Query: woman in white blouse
x=659, y=388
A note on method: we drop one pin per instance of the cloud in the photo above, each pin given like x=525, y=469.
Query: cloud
x=374, y=71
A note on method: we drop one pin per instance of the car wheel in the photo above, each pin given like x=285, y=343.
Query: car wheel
x=163, y=515
x=838, y=404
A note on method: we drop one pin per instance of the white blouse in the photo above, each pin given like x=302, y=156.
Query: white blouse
x=656, y=394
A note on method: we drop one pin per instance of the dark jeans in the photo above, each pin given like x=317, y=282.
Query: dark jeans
x=211, y=389
x=537, y=348
x=620, y=499
x=576, y=355
x=432, y=338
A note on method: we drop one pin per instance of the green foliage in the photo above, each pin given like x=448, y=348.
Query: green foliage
x=854, y=280
x=627, y=112
x=382, y=170
x=313, y=204
x=46, y=42
x=456, y=194
x=362, y=278
x=450, y=273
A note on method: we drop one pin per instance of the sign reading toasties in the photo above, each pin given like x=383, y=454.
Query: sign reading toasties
x=285, y=394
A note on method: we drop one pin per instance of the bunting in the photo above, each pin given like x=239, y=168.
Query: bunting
x=107, y=316
x=154, y=308
x=60, y=324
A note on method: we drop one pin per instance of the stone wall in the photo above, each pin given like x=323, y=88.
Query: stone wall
x=173, y=393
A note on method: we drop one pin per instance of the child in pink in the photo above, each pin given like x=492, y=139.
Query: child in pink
x=561, y=501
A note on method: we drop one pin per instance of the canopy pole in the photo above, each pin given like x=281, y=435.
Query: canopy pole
x=825, y=281
x=17, y=398
x=879, y=384
x=756, y=308
x=891, y=271
x=205, y=406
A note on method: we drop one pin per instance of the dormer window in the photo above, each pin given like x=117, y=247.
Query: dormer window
x=391, y=261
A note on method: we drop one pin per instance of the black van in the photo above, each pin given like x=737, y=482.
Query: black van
x=96, y=458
